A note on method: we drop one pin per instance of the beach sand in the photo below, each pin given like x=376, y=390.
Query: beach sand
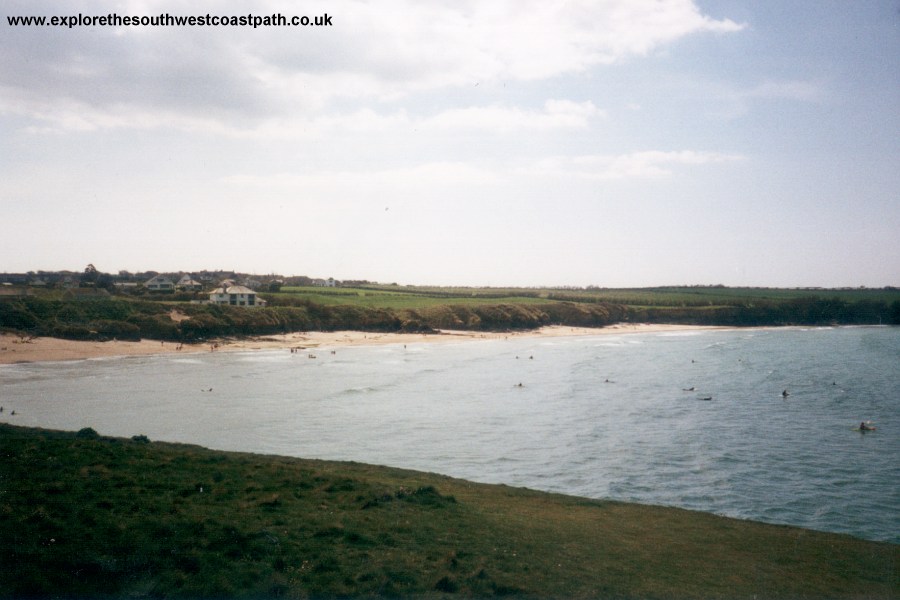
x=16, y=349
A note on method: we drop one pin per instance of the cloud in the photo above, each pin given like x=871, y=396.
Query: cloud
x=735, y=102
x=374, y=52
x=428, y=178
x=453, y=43
x=637, y=165
x=556, y=114
x=356, y=184
x=69, y=115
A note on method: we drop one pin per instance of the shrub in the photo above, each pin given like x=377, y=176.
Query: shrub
x=121, y=330
x=87, y=433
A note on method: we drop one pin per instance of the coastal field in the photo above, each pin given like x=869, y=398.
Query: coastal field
x=186, y=317
x=90, y=516
x=410, y=296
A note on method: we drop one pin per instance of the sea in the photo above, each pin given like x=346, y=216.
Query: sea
x=757, y=424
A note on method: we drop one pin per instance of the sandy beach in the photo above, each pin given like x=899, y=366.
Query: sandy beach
x=16, y=349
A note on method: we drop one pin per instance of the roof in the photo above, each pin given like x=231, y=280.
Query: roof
x=233, y=289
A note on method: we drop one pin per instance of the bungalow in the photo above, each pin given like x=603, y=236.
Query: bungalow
x=235, y=295
x=188, y=284
x=68, y=282
x=160, y=283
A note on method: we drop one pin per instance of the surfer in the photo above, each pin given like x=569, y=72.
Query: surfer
x=864, y=427
x=785, y=394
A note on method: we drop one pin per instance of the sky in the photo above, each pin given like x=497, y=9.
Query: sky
x=615, y=143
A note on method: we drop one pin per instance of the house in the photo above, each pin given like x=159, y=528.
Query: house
x=330, y=282
x=235, y=295
x=68, y=282
x=86, y=294
x=188, y=284
x=160, y=283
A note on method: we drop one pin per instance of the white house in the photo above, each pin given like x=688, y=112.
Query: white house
x=186, y=283
x=235, y=295
x=160, y=283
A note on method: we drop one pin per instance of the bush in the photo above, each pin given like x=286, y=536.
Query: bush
x=87, y=434
x=120, y=330
x=16, y=315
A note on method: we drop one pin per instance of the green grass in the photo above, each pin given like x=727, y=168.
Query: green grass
x=394, y=296
x=397, y=299
x=88, y=516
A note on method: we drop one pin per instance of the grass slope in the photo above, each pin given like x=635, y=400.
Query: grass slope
x=83, y=515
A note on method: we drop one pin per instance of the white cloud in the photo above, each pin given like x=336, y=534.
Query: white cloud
x=735, y=102
x=637, y=165
x=350, y=186
x=557, y=114
x=428, y=178
x=464, y=42
x=377, y=52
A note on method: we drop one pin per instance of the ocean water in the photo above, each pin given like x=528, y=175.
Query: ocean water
x=690, y=419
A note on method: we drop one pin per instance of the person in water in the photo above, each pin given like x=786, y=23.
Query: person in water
x=864, y=427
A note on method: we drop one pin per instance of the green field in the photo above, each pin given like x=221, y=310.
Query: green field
x=667, y=296
x=420, y=309
x=94, y=517
x=399, y=298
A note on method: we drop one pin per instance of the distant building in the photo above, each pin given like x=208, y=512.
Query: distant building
x=160, y=283
x=68, y=282
x=235, y=295
x=330, y=282
x=189, y=285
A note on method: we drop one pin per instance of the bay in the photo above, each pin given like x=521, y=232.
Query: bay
x=690, y=419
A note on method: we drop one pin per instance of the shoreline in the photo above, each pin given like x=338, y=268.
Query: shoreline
x=17, y=349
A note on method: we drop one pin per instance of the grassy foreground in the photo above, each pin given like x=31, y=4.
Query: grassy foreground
x=89, y=516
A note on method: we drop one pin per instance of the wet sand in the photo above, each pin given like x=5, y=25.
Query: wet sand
x=16, y=349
